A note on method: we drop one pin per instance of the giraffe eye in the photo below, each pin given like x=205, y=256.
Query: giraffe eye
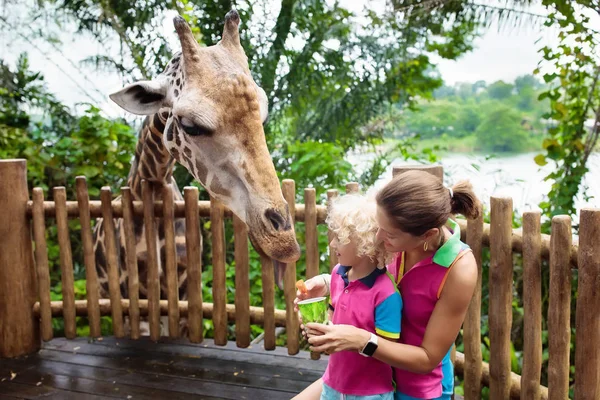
x=192, y=129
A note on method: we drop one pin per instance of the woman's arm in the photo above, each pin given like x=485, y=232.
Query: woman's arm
x=441, y=332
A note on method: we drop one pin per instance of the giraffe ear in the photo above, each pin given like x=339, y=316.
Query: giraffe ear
x=143, y=97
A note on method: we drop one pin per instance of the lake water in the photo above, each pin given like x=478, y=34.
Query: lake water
x=516, y=176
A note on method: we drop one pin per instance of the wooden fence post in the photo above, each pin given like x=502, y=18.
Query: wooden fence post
x=500, y=294
x=19, y=329
x=587, y=314
x=436, y=170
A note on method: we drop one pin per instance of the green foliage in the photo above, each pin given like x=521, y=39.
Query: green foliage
x=500, y=90
x=574, y=96
x=501, y=131
x=59, y=146
x=500, y=117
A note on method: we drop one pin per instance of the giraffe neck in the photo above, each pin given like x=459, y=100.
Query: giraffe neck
x=152, y=161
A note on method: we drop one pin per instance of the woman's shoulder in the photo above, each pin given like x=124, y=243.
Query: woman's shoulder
x=464, y=273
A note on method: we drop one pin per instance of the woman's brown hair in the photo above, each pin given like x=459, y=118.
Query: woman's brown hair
x=417, y=201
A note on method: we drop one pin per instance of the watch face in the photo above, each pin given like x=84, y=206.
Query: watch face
x=370, y=348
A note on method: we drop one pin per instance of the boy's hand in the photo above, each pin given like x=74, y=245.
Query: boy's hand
x=314, y=287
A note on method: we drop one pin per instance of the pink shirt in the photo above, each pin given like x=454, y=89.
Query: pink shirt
x=420, y=288
x=371, y=303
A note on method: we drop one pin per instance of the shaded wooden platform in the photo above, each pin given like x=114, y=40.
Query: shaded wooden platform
x=140, y=369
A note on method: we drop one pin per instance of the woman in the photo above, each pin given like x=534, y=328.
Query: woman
x=436, y=275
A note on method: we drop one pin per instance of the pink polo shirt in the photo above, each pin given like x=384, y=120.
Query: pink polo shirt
x=421, y=288
x=372, y=303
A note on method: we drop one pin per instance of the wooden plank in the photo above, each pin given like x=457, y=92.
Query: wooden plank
x=559, y=309
x=517, y=242
x=89, y=260
x=256, y=313
x=171, y=261
x=219, y=283
x=289, y=280
x=352, y=187
x=515, y=380
x=532, y=304
x=133, y=279
x=102, y=381
x=587, y=323
x=66, y=262
x=472, y=324
x=167, y=349
x=112, y=262
x=242, y=283
x=500, y=297
x=41, y=262
x=118, y=364
x=268, y=283
x=312, y=243
x=331, y=195
x=138, y=210
x=436, y=170
x=29, y=391
x=152, y=277
x=194, y=268
x=168, y=375
x=19, y=329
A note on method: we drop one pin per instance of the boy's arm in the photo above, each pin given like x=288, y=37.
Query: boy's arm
x=388, y=317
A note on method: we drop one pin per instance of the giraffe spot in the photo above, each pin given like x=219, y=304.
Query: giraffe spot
x=187, y=151
x=202, y=172
x=177, y=138
x=175, y=154
x=165, y=115
x=158, y=123
x=217, y=187
x=174, y=74
x=170, y=133
x=178, y=82
x=176, y=93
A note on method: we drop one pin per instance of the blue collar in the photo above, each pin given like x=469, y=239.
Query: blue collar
x=368, y=280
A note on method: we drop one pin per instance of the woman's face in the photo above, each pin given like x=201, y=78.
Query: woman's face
x=394, y=239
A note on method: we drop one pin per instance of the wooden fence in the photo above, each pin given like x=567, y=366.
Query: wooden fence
x=26, y=310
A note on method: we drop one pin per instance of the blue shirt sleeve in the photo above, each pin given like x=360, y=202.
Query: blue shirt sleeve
x=388, y=316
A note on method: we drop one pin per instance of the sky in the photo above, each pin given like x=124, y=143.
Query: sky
x=496, y=56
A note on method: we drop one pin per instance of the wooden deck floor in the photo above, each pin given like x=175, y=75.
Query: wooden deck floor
x=141, y=369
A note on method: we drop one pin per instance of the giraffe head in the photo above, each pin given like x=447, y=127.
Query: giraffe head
x=214, y=115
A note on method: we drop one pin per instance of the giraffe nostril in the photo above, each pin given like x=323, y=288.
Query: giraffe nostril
x=276, y=219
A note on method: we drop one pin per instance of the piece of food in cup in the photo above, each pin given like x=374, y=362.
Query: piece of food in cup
x=301, y=286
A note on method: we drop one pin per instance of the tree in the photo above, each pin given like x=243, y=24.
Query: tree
x=501, y=131
x=500, y=90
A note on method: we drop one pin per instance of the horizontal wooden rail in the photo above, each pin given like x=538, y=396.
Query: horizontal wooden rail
x=204, y=211
x=515, y=379
x=138, y=210
x=257, y=314
x=517, y=241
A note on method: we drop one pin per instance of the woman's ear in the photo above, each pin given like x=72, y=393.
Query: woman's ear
x=430, y=234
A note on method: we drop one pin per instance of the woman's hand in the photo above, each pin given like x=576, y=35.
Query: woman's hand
x=333, y=338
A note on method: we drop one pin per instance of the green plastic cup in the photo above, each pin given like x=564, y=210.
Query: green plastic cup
x=314, y=310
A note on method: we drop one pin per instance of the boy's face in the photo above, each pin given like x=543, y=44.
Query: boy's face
x=346, y=253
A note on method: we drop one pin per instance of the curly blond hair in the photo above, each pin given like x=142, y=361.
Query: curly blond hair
x=352, y=217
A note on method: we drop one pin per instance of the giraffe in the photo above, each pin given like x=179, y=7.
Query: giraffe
x=206, y=113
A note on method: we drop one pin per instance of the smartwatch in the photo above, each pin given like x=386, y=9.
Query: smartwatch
x=370, y=347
